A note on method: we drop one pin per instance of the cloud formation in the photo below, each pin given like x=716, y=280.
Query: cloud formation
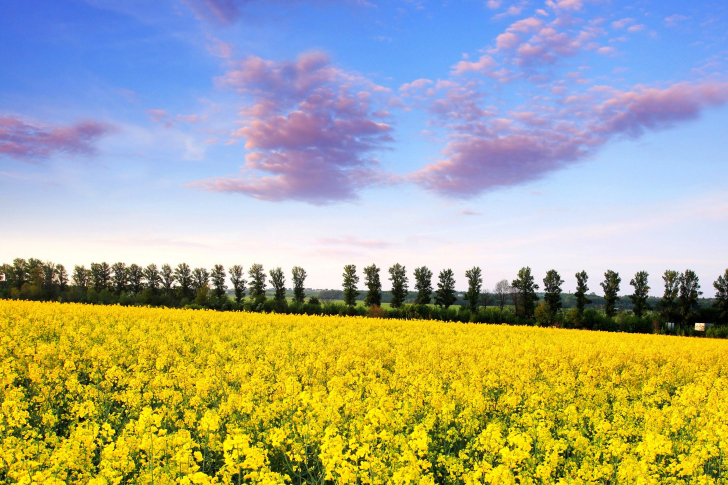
x=311, y=129
x=31, y=141
x=490, y=153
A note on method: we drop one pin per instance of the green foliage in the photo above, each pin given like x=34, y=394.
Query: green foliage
x=445, y=294
x=351, y=280
x=120, y=277
x=278, y=280
x=100, y=276
x=217, y=277
x=610, y=285
x=299, y=282
x=238, y=282
x=668, y=303
x=398, y=277
x=721, y=296
x=526, y=288
x=167, y=278
x=374, y=286
x=689, y=294
x=641, y=290
x=257, y=283
x=581, y=289
x=183, y=275
x=200, y=278
x=552, y=285
x=135, y=276
x=423, y=285
x=475, y=283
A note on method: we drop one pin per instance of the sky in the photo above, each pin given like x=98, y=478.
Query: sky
x=559, y=134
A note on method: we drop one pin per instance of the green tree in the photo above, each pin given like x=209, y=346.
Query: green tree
x=423, y=285
x=49, y=275
x=100, y=276
x=81, y=277
x=475, y=283
x=552, y=286
x=238, y=282
x=218, y=277
x=721, y=296
x=200, y=278
x=526, y=289
x=278, y=280
x=445, y=294
x=135, y=274
x=299, y=282
x=183, y=276
x=610, y=285
x=374, y=286
x=61, y=277
x=689, y=294
x=641, y=290
x=351, y=279
x=668, y=303
x=120, y=277
x=19, y=273
x=154, y=279
x=168, y=278
x=398, y=277
x=257, y=283
x=581, y=289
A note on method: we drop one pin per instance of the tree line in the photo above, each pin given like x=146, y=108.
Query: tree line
x=513, y=301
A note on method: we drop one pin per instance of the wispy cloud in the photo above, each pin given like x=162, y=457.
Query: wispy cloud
x=311, y=128
x=353, y=241
x=31, y=141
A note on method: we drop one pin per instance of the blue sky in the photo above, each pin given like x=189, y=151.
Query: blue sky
x=565, y=134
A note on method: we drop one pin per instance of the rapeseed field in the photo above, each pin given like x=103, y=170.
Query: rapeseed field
x=112, y=395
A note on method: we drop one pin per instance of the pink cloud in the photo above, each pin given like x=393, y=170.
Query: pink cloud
x=468, y=212
x=487, y=152
x=311, y=129
x=220, y=11
x=31, y=141
x=675, y=20
x=483, y=65
x=161, y=116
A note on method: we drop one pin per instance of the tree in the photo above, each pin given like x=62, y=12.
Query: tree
x=351, y=279
x=257, y=283
x=374, y=286
x=135, y=274
x=81, y=277
x=610, y=285
x=639, y=297
x=278, y=280
x=581, y=289
x=35, y=272
x=167, y=278
x=721, y=296
x=19, y=273
x=101, y=275
x=475, y=283
x=689, y=294
x=552, y=286
x=154, y=279
x=398, y=277
x=61, y=277
x=445, y=294
x=183, y=276
x=218, y=280
x=423, y=285
x=526, y=289
x=200, y=278
x=49, y=275
x=299, y=281
x=668, y=303
x=236, y=278
x=501, y=291
x=120, y=277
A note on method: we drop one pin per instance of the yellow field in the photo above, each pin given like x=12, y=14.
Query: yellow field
x=136, y=395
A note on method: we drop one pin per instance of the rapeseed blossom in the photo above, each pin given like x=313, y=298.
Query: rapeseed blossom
x=114, y=395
